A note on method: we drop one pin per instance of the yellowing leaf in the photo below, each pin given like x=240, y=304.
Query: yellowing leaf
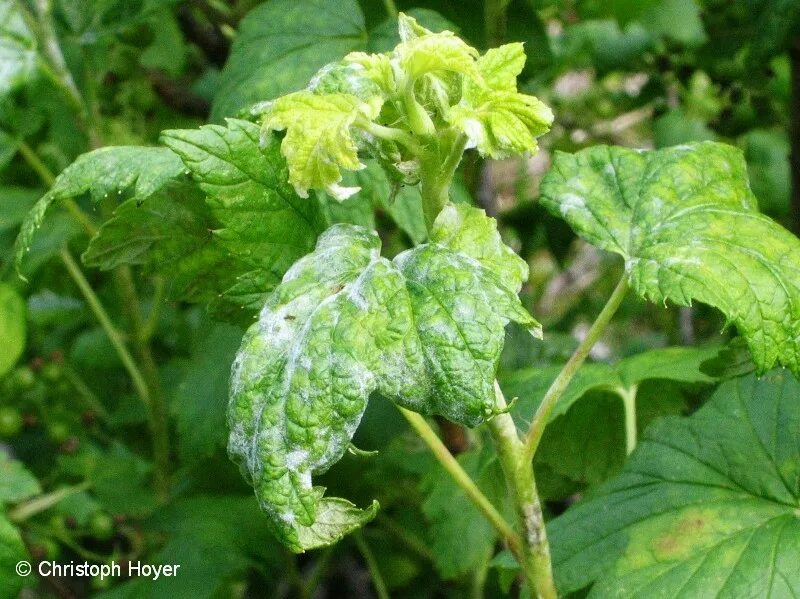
x=318, y=141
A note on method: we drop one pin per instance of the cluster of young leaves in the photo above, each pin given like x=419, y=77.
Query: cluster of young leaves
x=402, y=106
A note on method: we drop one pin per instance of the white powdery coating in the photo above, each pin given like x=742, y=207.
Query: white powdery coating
x=476, y=134
x=570, y=202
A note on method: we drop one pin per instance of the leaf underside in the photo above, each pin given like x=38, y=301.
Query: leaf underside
x=424, y=330
x=688, y=226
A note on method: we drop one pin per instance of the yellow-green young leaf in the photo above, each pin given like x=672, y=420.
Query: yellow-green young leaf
x=12, y=327
x=421, y=51
x=424, y=330
x=318, y=141
x=707, y=506
x=688, y=226
x=498, y=120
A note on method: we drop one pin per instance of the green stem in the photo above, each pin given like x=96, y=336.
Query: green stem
x=43, y=502
x=105, y=322
x=372, y=566
x=437, y=168
x=536, y=563
x=391, y=8
x=154, y=408
x=494, y=18
x=564, y=377
x=628, y=396
x=123, y=280
x=463, y=480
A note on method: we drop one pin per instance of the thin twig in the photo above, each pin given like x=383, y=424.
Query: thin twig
x=463, y=480
x=372, y=566
x=570, y=368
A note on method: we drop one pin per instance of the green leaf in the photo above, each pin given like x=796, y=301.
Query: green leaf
x=767, y=153
x=706, y=505
x=205, y=535
x=140, y=170
x=17, y=47
x=172, y=232
x=774, y=23
x=265, y=225
x=461, y=538
x=16, y=483
x=279, y=47
x=425, y=330
x=680, y=364
x=318, y=141
x=12, y=551
x=496, y=119
x=203, y=393
x=670, y=214
x=678, y=20
x=587, y=443
x=12, y=327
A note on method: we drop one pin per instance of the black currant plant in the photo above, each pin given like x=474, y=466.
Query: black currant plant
x=238, y=216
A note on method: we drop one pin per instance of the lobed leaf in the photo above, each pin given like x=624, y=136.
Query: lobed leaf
x=140, y=170
x=265, y=226
x=318, y=141
x=671, y=213
x=280, y=45
x=498, y=120
x=425, y=330
x=705, y=506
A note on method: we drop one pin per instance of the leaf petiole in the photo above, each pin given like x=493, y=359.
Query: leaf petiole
x=559, y=385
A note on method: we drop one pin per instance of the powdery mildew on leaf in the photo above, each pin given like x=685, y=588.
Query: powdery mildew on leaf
x=688, y=226
x=424, y=330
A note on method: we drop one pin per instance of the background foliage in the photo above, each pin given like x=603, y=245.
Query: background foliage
x=81, y=479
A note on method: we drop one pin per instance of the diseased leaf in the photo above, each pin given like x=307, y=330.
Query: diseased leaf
x=422, y=51
x=13, y=327
x=671, y=213
x=265, y=225
x=279, y=47
x=17, y=47
x=496, y=119
x=386, y=35
x=140, y=170
x=424, y=330
x=318, y=141
x=706, y=505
